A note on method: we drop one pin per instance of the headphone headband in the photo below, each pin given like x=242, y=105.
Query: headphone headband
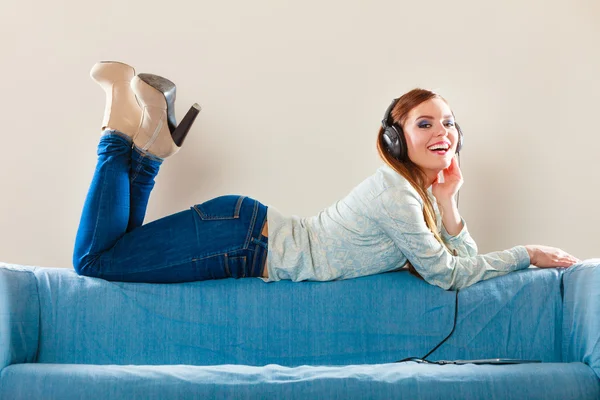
x=386, y=117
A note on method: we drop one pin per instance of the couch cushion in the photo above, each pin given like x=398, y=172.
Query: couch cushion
x=369, y=320
x=19, y=315
x=410, y=380
x=581, y=325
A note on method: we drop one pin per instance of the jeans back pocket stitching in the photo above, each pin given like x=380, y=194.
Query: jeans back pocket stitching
x=205, y=217
x=238, y=206
x=236, y=212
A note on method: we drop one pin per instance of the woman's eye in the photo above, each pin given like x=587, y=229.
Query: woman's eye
x=426, y=125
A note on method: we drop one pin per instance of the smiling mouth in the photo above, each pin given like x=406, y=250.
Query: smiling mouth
x=440, y=152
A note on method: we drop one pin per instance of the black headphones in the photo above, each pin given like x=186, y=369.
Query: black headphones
x=393, y=136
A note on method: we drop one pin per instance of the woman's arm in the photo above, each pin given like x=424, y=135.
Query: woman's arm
x=453, y=230
x=456, y=234
x=450, y=217
x=401, y=218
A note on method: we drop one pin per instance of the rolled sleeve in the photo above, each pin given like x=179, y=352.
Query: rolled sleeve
x=462, y=243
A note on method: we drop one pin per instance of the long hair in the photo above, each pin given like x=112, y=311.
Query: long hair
x=408, y=169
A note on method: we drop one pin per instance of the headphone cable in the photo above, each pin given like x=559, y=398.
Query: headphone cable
x=424, y=358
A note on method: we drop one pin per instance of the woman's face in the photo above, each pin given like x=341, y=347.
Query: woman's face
x=429, y=123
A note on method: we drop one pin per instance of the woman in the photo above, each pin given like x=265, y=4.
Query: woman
x=390, y=220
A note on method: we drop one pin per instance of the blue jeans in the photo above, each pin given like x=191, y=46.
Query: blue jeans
x=220, y=238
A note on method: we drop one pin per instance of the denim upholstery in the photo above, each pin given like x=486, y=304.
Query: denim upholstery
x=68, y=336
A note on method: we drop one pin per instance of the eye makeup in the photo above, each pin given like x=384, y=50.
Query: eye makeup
x=423, y=123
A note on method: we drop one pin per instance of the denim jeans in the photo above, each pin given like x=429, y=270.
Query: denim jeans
x=220, y=238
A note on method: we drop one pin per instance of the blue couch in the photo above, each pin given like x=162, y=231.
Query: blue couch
x=63, y=336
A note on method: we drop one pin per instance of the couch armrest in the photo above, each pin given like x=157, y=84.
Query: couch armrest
x=19, y=315
x=581, y=314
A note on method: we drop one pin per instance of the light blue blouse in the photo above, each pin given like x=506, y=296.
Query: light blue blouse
x=376, y=228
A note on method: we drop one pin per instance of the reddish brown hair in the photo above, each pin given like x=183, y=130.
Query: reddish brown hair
x=408, y=169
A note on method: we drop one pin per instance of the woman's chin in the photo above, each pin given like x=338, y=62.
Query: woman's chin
x=442, y=162
x=437, y=162
x=439, y=166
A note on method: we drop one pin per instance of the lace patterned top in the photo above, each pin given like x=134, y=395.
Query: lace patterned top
x=377, y=228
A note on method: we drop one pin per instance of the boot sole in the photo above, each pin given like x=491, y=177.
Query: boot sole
x=168, y=90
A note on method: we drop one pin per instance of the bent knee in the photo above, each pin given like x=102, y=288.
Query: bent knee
x=86, y=265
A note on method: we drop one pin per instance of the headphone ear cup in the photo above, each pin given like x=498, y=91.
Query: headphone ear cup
x=402, y=144
x=393, y=140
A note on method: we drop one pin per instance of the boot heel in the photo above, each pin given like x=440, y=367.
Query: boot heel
x=186, y=123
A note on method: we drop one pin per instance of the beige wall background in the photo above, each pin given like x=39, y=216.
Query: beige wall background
x=293, y=94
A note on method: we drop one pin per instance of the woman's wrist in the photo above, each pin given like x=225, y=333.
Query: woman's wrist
x=530, y=251
x=451, y=217
x=447, y=203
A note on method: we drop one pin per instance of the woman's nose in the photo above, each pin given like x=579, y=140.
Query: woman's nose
x=442, y=130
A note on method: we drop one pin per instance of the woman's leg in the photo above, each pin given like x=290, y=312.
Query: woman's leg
x=144, y=167
x=106, y=211
x=219, y=238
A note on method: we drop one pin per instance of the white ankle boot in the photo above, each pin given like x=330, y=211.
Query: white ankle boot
x=122, y=111
x=158, y=132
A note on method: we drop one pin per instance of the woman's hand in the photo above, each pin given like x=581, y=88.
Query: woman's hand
x=550, y=257
x=453, y=180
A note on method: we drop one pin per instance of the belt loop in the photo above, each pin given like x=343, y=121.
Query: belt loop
x=262, y=243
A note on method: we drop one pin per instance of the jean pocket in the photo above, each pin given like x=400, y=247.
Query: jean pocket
x=222, y=207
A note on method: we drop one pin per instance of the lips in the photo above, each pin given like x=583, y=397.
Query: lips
x=442, y=143
x=440, y=152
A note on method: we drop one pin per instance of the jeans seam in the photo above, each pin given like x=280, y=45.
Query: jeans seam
x=238, y=206
x=94, y=236
x=170, y=265
x=137, y=169
x=245, y=263
x=125, y=273
x=227, y=270
x=255, y=260
x=252, y=223
x=146, y=154
x=244, y=269
x=143, y=155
